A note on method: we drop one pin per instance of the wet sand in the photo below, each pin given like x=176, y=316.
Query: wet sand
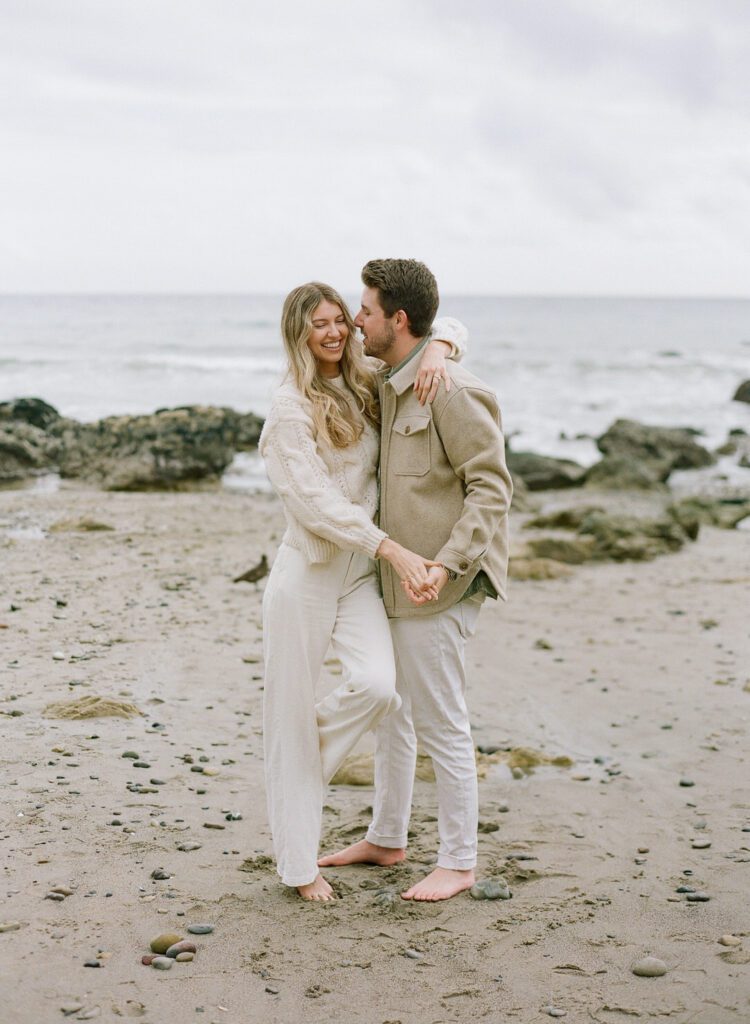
x=640, y=673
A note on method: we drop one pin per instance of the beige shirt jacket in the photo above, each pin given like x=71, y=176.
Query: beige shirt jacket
x=445, y=489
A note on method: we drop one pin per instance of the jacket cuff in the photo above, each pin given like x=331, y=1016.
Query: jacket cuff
x=454, y=560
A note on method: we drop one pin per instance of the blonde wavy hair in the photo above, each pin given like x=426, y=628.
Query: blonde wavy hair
x=334, y=418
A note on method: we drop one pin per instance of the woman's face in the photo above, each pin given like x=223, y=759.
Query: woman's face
x=328, y=337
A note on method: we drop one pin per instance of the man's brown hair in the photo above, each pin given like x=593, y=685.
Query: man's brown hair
x=407, y=285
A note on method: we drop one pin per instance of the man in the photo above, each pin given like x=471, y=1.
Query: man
x=444, y=491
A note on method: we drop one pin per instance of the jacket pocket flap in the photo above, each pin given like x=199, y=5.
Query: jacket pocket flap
x=407, y=425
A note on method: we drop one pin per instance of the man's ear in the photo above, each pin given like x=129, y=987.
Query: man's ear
x=401, y=320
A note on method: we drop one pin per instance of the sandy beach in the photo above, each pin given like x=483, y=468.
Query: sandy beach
x=639, y=673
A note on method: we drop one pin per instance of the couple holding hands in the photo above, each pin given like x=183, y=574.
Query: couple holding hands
x=389, y=461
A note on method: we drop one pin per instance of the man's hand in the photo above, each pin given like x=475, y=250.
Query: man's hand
x=432, y=370
x=437, y=577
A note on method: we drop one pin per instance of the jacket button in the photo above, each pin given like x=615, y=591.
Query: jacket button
x=464, y=566
x=407, y=430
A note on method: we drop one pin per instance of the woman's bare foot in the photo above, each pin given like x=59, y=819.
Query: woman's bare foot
x=318, y=889
x=364, y=852
x=440, y=884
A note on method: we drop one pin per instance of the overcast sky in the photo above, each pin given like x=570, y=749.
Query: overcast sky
x=517, y=146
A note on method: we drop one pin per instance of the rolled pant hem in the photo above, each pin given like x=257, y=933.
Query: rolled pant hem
x=390, y=842
x=300, y=881
x=457, y=863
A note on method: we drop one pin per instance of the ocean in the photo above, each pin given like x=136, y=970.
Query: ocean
x=563, y=368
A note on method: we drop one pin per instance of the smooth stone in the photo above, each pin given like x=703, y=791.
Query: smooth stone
x=58, y=656
x=701, y=844
x=9, y=926
x=68, y=1008
x=162, y=942
x=684, y=888
x=183, y=946
x=649, y=967
x=687, y=783
x=188, y=847
x=211, y=770
x=141, y=764
x=233, y=815
x=413, y=954
x=517, y=772
x=92, y=963
x=730, y=940
x=200, y=929
x=185, y=957
x=490, y=889
x=162, y=963
x=58, y=896
x=554, y=1011
x=131, y=754
x=147, y=959
x=213, y=824
x=159, y=875
x=64, y=890
x=697, y=897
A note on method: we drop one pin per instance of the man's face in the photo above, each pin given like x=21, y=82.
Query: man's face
x=376, y=327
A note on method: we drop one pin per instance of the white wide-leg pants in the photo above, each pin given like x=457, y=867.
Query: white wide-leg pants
x=305, y=608
x=431, y=679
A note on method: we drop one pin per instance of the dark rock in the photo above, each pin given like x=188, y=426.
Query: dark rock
x=542, y=473
x=722, y=512
x=673, y=447
x=25, y=451
x=571, y=550
x=29, y=410
x=625, y=472
x=742, y=394
x=562, y=519
x=626, y=538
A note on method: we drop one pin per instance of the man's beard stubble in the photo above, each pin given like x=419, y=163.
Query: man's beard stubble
x=379, y=347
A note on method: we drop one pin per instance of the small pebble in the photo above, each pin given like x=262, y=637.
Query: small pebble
x=643, y=849
x=160, y=875
x=58, y=896
x=200, y=929
x=163, y=941
x=730, y=940
x=687, y=783
x=272, y=990
x=91, y=963
x=701, y=844
x=131, y=754
x=233, y=816
x=213, y=824
x=413, y=954
x=58, y=656
x=64, y=890
x=184, y=946
x=162, y=963
x=684, y=888
x=68, y=1008
x=649, y=967
x=185, y=957
x=9, y=926
x=147, y=959
x=554, y=1011
x=188, y=847
x=490, y=889
x=211, y=770
x=697, y=897
x=517, y=772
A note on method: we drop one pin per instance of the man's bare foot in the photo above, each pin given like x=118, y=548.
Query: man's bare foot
x=440, y=884
x=318, y=889
x=364, y=852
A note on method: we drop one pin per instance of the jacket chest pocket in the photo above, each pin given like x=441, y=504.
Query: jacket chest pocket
x=410, y=446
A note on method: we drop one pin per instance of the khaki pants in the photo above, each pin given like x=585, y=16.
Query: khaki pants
x=305, y=608
x=431, y=681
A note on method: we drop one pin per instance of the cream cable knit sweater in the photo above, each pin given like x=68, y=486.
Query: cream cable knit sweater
x=330, y=495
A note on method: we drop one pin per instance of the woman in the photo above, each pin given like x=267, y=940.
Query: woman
x=320, y=444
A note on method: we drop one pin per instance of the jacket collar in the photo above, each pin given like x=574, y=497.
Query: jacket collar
x=404, y=378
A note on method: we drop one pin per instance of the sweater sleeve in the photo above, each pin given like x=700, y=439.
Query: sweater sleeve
x=303, y=482
x=448, y=328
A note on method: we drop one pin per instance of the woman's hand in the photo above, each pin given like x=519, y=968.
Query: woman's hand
x=410, y=567
x=437, y=577
x=432, y=370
